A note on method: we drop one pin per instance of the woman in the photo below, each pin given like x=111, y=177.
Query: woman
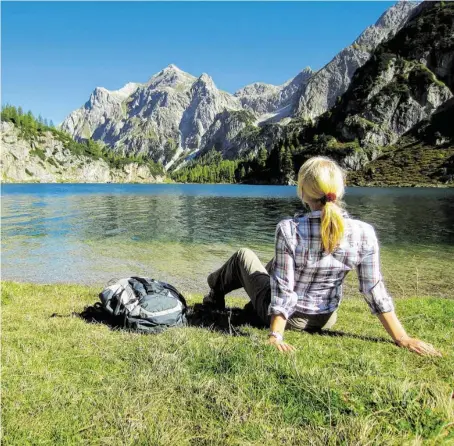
x=301, y=288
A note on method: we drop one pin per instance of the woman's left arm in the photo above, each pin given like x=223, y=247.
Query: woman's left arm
x=393, y=326
x=380, y=302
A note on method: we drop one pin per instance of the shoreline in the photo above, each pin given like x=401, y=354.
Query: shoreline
x=406, y=186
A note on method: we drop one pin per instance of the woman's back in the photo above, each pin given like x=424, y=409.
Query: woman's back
x=318, y=275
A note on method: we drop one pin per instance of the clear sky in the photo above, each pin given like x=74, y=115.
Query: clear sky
x=55, y=53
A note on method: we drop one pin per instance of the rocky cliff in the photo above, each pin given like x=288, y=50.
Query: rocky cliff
x=272, y=103
x=168, y=114
x=406, y=80
x=175, y=112
x=424, y=155
x=45, y=159
x=323, y=89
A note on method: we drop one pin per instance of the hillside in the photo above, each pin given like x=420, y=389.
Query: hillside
x=400, y=103
x=424, y=156
x=33, y=152
x=406, y=80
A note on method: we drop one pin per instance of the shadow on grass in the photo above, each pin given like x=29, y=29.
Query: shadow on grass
x=336, y=333
x=230, y=321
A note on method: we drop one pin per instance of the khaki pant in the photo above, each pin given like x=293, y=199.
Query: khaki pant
x=244, y=270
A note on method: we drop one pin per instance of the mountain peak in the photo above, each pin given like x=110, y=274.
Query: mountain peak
x=172, y=67
x=387, y=25
x=206, y=78
x=170, y=76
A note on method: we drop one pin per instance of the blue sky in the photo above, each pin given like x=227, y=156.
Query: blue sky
x=55, y=53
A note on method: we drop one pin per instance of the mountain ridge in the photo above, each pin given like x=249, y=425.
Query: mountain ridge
x=393, y=122
x=166, y=116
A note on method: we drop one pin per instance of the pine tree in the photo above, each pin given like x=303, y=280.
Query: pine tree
x=262, y=156
x=13, y=115
x=286, y=164
x=281, y=156
x=242, y=172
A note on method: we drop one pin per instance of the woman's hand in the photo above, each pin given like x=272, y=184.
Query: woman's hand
x=281, y=345
x=417, y=346
x=397, y=332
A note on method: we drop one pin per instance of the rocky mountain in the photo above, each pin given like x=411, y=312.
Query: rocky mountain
x=393, y=125
x=408, y=78
x=175, y=112
x=273, y=103
x=424, y=156
x=169, y=113
x=48, y=159
x=323, y=89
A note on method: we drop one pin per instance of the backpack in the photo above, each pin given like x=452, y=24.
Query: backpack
x=144, y=304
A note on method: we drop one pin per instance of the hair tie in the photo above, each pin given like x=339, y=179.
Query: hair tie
x=329, y=197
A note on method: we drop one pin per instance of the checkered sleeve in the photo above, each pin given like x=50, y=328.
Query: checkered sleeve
x=282, y=277
x=369, y=275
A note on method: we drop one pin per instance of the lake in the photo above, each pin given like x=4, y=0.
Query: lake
x=88, y=234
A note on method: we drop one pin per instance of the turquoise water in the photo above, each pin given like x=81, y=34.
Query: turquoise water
x=71, y=233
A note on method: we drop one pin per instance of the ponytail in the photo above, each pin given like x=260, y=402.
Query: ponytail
x=332, y=227
x=322, y=180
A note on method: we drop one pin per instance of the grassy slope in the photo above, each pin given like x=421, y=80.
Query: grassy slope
x=413, y=163
x=66, y=381
x=415, y=160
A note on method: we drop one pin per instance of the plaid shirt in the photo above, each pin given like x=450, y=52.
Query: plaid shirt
x=305, y=279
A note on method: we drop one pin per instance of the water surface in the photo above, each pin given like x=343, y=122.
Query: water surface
x=81, y=233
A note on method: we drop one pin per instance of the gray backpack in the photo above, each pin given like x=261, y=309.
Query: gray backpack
x=144, y=304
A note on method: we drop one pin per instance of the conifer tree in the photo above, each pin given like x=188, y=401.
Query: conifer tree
x=287, y=164
x=242, y=172
x=262, y=156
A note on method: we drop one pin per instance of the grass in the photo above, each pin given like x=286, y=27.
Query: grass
x=410, y=164
x=67, y=381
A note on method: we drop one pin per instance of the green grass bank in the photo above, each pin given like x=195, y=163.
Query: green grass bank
x=67, y=381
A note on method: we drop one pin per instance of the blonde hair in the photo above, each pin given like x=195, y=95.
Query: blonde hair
x=321, y=179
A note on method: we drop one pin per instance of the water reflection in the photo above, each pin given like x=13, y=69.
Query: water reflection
x=90, y=233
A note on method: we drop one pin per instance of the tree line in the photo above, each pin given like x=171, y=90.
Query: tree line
x=209, y=168
x=259, y=166
x=279, y=165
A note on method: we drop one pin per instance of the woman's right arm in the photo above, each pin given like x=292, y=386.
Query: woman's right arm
x=283, y=296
